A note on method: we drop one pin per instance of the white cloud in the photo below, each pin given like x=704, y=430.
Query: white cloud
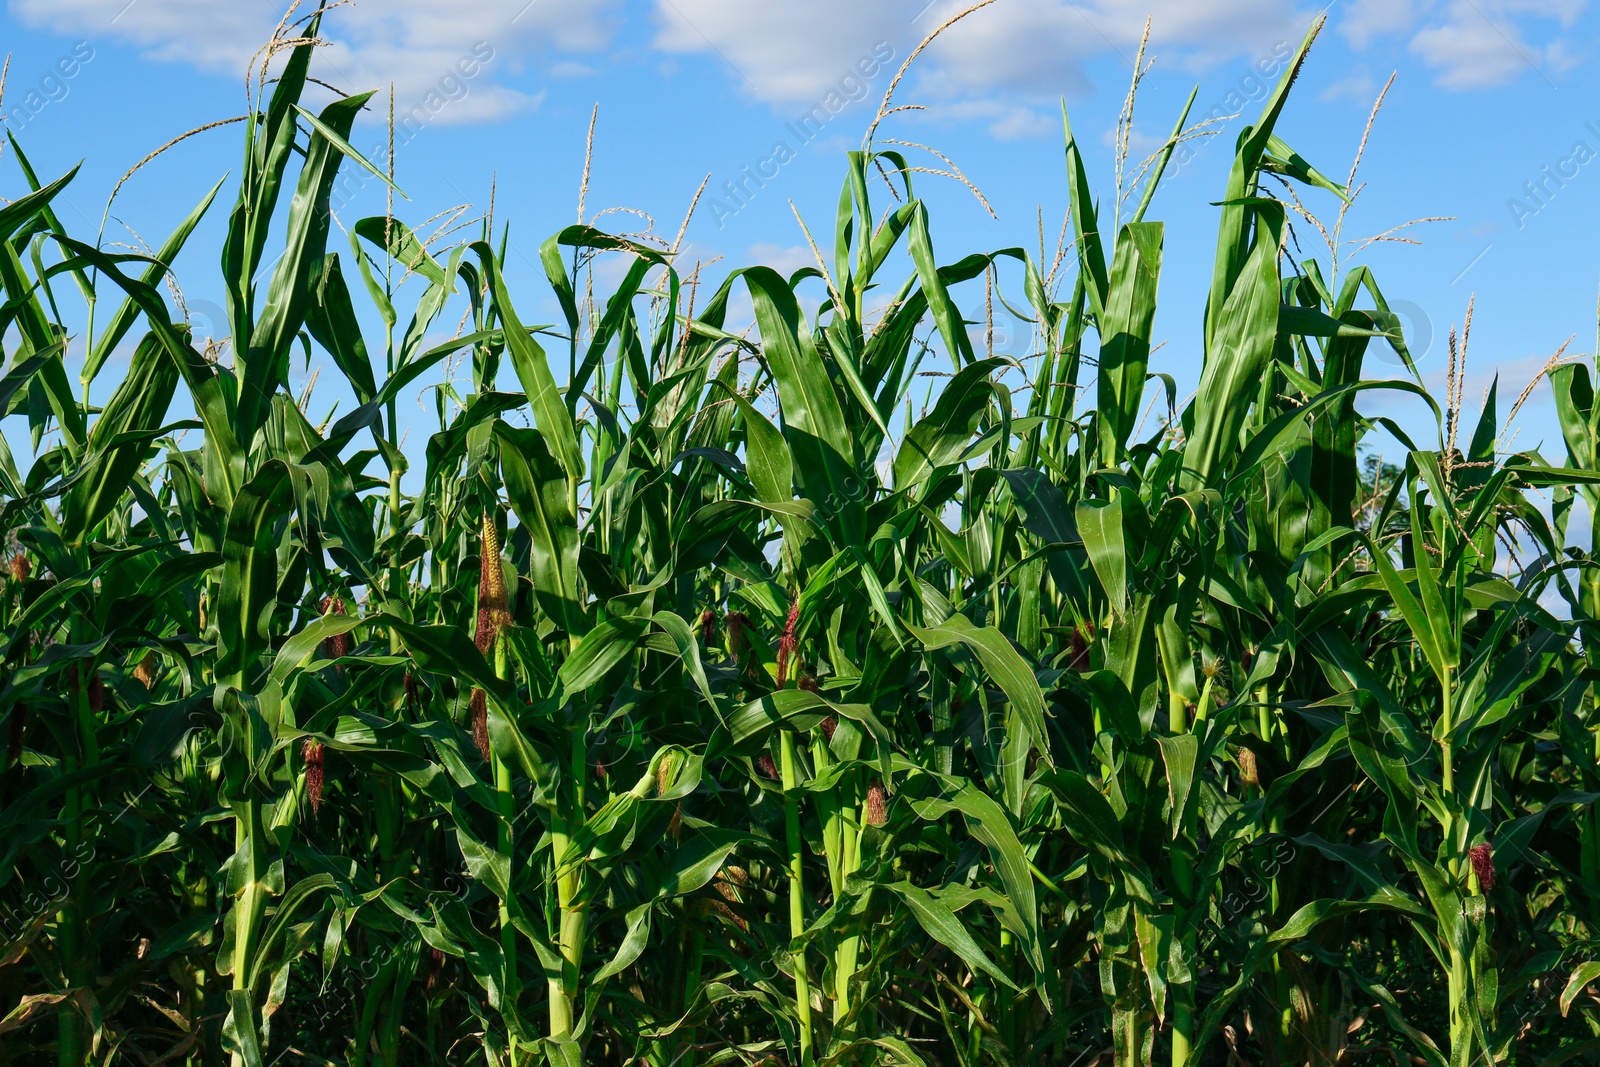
x=1479, y=46
x=1036, y=49
x=416, y=44
x=1206, y=32
x=1007, y=121
x=1469, y=44
x=1004, y=65
x=1358, y=85
x=784, y=53
x=1363, y=21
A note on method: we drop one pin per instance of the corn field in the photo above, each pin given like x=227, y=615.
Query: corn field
x=824, y=692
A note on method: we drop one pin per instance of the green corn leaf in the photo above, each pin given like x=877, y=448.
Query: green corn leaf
x=331, y=318
x=767, y=458
x=1125, y=326
x=813, y=421
x=1100, y=524
x=689, y=651
x=634, y=942
x=250, y=570
x=602, y=648
x=945, y=927
x=123, y=318
x=1281, y=159
x=988, y=822
x=15, y=214
x=1180, y=755
x=533, y=370
x=943, y=307
x=118, y=442
x=538, y=490
x=1003, y=663
x=1045, y=511
x=1085, y=225
x=239, y=1033
x=264, y=361
x=945, y=433
x=336, y=137
x=1239, y=342
x=1582, y=976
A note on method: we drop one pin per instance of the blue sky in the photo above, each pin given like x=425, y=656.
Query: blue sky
x=1493, y=119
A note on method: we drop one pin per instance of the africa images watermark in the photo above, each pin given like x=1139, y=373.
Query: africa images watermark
x=1540, y=191
x=851, y=87
x=1253, y=87
x=16, y=917
x=52, y=87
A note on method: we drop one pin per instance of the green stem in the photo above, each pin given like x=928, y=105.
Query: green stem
x=693, y=969
x=1183, y=993
x=368, y=1020
x=1447, y=773
x=199, y=883
x=797, y=903
x=70, y=1044
x=72, y=1048
x=505, y=809
x=845, y=960
x=1282, y=978
x=250, y=839
x=1183, y=902
x=1005, y=1017
x=574, y=913
x=397, y=574
x=1460, y=1024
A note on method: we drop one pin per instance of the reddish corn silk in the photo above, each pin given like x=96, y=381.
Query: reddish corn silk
x=767, y=767
x=808, y=683
x=480, y=721
x=18, y=727
x=1248, y=774
x=787, y=645
x=96, y=694
x=877, y=804
x=337, y=646
x=21, y=569
x=828, y=726
x=675, y=824
x=145, y=672
x=1080, y=646
x=726, y=884
x=434, y=968
x=1482, y=857
x=409, y=684
x=708, y=627
x=494, y=614
x=311, y=751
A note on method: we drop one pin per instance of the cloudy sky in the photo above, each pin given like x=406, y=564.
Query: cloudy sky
x=1493, y=121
